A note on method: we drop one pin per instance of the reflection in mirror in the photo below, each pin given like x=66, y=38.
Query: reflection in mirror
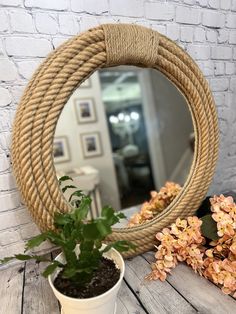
x=123, y=133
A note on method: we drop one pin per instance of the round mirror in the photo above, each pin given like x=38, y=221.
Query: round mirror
x=122, y=136
x=126, y=147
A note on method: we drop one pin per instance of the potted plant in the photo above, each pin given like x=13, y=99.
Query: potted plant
x=87, y=275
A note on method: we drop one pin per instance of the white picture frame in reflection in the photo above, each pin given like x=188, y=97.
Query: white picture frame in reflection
x=85, y=110
x=61, y=152
x=86, y=84
x=91, y=144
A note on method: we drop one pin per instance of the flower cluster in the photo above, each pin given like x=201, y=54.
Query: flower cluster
x=183, y=241
x=158, y=202
x=220, y=261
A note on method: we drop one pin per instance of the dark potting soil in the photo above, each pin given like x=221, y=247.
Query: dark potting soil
x=104, y=278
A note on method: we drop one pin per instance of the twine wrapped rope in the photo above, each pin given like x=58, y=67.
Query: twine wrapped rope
x=63, y=72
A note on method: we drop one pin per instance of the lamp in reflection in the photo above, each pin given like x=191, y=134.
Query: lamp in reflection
x=125, y=124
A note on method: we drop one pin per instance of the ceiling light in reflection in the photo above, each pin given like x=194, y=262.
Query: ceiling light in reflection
x=113, y=119
x=134, y=115
x=121, y=116
x=127, y=118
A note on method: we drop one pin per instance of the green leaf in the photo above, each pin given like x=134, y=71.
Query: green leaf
x=55, y=238
x=86, y=246
x=68, y=187
x=64, y=178
x=98, y=244
x=77, y=193
x=209, y=227
x=121, y=215
x=103, y=228
x=25, y=257
x=91, y=231
x=110, y=216
x=51, y=268
x=81, y=212
x=36, y=241
x=69, y=272
x=6, y=259
x=62, y=219
x=121, y=246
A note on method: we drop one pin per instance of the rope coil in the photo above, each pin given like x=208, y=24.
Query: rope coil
x=54, y=82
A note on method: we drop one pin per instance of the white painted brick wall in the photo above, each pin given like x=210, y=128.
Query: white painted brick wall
x=231, y=20
x=214, y=4
x=27, y=46
x=173, y=31
x=159, y=11
x=188, y=15
x=5, y=98
x=225, y=4
x=4, y=24
x=199, y=52
x=186, y=34
x=131, y=8
x=68, y=24
x=59, y=5
x=21, y=22
x=30, y=29
x=46, y=23
x=8, y=71
x=221, y=53
x=14, y=3
x=223, y=36
x=93, y=6
x=213, y=18
x=232, y=37
x=26, y=68
x=219, y=68
x=199, y=34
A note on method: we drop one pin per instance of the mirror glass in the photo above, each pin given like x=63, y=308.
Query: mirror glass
x=123, y=133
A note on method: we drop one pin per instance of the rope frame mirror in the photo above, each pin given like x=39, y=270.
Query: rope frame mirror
x=54, y=82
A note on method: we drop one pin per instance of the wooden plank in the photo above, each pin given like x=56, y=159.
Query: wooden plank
x=38, y=296
x=200, y=292
x=206, y=297
x=127, y=303
x=11, y=288
x=156, y=297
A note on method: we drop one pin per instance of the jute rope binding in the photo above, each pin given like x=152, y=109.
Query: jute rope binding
x=54, y=82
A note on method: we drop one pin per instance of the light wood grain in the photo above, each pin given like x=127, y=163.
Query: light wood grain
x=201, y=293
x=11, y=289
x=183, y=293
x=127, y=303
x=157, y=297
x=38, y=296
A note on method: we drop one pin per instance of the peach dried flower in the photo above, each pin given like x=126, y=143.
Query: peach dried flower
x=183, y=241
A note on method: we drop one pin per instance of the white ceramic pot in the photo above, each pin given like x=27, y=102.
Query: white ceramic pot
x=102, y=304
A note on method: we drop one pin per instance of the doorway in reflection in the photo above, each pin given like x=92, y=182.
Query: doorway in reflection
x=124, y=132
x=122, y=98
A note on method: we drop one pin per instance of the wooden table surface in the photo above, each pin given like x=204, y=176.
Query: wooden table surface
x=24, y=290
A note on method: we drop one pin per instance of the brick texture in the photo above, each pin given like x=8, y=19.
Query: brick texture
x=30, y=29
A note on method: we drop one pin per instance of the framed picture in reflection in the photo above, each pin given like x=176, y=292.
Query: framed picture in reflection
x=61, y=151
x=85, y=110
x=91, y=144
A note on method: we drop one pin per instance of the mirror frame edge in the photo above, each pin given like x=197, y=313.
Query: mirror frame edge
x=54, y=82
